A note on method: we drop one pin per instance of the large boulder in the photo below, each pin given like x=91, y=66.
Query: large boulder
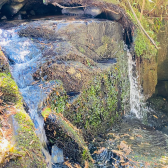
x=87, y=56
x=76, y=50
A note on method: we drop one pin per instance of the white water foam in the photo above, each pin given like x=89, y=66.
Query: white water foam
x=136, y=97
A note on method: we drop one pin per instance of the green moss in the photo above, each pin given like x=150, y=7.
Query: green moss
x=9, y=89
x=104, y=49
x=27, y=142
x=97, y=104
x=82, y=50
x=100, y=103
x=46, y=112
x=58, y=101
x=142, y=45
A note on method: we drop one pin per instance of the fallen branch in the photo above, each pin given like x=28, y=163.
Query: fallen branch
x=152, y=41
x=64, y=7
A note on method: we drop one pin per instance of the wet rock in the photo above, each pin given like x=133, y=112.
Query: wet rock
x=2, y=3
x=23, y=12
x=15, y=8
x=11, y=9
x=93, y=11
x=73, y=11
x=3, y=18
x=70, y=54
x=57, y=155
x=161, y=91
x=162, y=58
x=17, y=17
x=44, y=51
x=112, y=15
x=158, y=103
x=32, y=12
x=156, y=119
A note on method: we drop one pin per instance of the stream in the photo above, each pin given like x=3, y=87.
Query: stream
x=27, y=54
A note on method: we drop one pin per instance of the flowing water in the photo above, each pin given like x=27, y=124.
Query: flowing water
x=23, y=55
x=136, y=98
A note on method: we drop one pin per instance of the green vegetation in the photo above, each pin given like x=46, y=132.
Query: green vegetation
x=101, y=102
x=106, y=48
x=82, y=50
x=143, y=47
x=150, y=17
x=46, y=112
x=97, y=104
x=9, y=89
x=142, y=44
x=58, y=101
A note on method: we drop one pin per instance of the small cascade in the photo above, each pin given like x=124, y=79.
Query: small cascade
x=23, y=55
x=136, y=97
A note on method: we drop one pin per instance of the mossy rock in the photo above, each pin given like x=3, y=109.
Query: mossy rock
x=62, y=132
x=9, y=89
x=27, y=143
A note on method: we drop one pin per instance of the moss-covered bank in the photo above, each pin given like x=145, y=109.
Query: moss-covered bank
x=26, y=144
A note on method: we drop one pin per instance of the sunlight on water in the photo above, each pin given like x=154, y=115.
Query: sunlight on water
x=21, y=53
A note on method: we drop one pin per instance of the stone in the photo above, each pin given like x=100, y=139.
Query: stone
x=17, y=17
x=16, y=8
x=2, y=3
x=32, y=12
x=73, y=11
x=93, y=11
x=3, y=18
x=11, y=9
x=71, y=56
x=111, y=15
x=57, y=155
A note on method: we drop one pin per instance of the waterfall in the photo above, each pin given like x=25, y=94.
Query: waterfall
x=23, y=54
x=136, y=97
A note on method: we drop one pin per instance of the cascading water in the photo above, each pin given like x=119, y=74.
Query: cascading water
x=24, y=56
x=136, y=97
